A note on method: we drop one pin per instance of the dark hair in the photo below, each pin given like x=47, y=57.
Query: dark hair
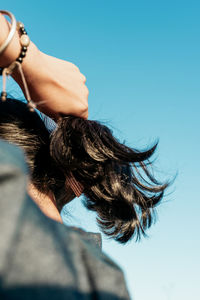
x=117, y=182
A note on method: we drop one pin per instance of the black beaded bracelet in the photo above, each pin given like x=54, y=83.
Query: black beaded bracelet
x=24, y=42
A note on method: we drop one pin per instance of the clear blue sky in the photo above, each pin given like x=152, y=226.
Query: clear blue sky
x=142, y=63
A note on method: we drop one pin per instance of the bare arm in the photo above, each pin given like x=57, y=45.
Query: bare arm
x=56, y=82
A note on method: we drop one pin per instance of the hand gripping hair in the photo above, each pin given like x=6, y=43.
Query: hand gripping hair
x=115, y=179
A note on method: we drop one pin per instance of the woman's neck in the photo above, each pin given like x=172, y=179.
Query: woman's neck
x=45, y=202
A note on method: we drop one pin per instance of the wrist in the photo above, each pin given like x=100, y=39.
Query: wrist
x=12, y=52
x=29, y=64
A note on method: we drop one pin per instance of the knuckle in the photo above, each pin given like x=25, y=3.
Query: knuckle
x=86, y=91
x=84, y=109
x=75, y=67
x=83, y=78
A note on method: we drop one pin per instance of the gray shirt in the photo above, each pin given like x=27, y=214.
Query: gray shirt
x=41, y=259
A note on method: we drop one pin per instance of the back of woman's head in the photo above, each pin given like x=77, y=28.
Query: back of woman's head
x=26, y=129
x=116, y=179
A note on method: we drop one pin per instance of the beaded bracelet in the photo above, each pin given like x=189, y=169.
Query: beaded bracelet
x=24, y=42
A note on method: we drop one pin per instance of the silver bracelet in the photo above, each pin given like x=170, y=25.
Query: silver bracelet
x=12, y=30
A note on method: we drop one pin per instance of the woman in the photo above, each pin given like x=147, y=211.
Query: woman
x=80, y=155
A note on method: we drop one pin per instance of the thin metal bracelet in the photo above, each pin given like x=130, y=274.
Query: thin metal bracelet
x=12, y=30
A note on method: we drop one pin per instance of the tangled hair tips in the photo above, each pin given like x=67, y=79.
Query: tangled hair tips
x=117, y=182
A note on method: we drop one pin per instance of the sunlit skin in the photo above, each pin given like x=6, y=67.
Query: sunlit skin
x=46, y=202
x=55, y=82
